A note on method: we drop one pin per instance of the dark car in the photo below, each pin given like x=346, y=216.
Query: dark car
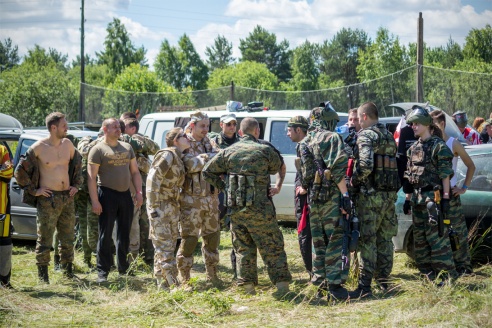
x=476, y=204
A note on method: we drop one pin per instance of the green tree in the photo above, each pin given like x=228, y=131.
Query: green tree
x=88, y=60
x=181, y=66
x=40, y=57
x=384, y=57
x=479, y=44
x=340, y=55
x=119, y=51
x=220, y=54
x=9, y=56
x=138, y=88
x=246, y=76
x=262, y=47
x=30, y=91
x=305, y=70
x=442, y=56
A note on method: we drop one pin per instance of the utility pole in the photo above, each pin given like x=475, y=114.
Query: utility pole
x=420, y=59
x=82, y=66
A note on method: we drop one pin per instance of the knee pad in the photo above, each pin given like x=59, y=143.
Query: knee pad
x=212, y=241
x=188, y=245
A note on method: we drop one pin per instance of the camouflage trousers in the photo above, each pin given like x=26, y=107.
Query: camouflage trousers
x=461, y=256
x=164, y=234
x=56, y=212
x=199, y=217
x=88, y=223
x=378, y=225
x=327, y=238
x=257, y=229
x=433, y=254
x=140, y=241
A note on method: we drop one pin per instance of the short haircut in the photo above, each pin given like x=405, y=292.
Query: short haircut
x=126, y=115
x=249, y=125
x=53, y=119
x=198, y=116
x=438, y=115
x=370, y=109
x=172, y=134
x=352, y=110
x=132, y=122
x=110, y=121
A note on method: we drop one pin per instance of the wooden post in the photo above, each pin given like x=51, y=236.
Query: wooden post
x=82, y=67
x=420, y=59
x=232, y=90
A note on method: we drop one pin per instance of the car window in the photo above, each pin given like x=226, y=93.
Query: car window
x=279, y=138
x=26, y=143
x=161, y=128
x=482, y=179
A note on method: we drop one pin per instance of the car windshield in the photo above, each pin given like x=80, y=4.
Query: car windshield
x=482, y=179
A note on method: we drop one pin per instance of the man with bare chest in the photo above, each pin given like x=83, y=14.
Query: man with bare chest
x=51, y=171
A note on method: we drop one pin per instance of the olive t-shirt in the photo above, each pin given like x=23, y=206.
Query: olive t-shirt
x=114, y=165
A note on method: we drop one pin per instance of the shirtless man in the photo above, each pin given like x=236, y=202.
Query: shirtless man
x=51, y=172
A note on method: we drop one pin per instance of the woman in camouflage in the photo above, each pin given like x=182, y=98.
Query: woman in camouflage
x=164, y=183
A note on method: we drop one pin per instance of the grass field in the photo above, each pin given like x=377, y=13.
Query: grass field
x=135, y=301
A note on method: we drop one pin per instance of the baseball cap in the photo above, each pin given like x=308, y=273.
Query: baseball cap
x=228, y=118
x=298, y=121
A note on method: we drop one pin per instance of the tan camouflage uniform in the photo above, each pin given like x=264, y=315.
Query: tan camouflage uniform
x=199, y=211
x=164, y=182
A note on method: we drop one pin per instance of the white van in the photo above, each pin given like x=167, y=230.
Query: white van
x=273, y=128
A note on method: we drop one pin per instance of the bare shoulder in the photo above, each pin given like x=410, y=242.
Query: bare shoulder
x=39, y=146
x=67, y=143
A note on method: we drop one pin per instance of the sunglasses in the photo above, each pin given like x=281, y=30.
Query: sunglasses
x=231, y=124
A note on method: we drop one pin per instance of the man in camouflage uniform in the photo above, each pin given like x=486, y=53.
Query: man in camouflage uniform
x=324, y=164
x=139, y=235
x=296, y=131
x=247, y=166
x=429, y=168
x=199, y=204
x=88, y=221
x=378, y=182
x=51, y=189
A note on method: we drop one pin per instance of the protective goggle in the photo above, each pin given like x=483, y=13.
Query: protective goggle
x=461, y=118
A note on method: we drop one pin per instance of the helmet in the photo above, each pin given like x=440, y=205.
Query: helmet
x=325, y=115
x=460, y=118
x=419, y=115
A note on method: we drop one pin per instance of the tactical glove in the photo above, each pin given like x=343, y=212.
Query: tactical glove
x=446, y=207
x=406, y=207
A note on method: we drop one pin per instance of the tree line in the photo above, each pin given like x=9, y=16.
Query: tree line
x=44, y=80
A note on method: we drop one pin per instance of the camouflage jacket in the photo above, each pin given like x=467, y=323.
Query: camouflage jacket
x=166, y=177
x=246, y=158
x=373, y=140
x=219, y=141
x=307, y=167
x=27, y=175
x=429, y=162
x=194, y=160
x=324, y=148
x=84, y=146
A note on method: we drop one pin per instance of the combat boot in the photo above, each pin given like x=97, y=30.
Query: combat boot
x=68, y=270
x=171, y=279
x=212, y=275
x=184, y=275
x=283, y=287
x=57, y=263
x=43, y=274
x=162, y=285
x=361, y=292
x=337, y=293
x=248, y=289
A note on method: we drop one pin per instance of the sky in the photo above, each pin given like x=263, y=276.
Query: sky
x=56, y=23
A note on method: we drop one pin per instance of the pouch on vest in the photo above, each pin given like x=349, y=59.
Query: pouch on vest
x=241, y=190
x=250, y=190
x=195, y=178
x=379, y=178
x=231, y=190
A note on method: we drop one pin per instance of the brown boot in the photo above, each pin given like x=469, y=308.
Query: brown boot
x=212, y=275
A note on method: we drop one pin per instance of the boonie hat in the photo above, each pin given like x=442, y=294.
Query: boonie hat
x=298, y=122
x=228, y=118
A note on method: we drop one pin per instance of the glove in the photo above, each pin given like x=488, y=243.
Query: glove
x=446, y=207
x=346, y=204
x=406, y=207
